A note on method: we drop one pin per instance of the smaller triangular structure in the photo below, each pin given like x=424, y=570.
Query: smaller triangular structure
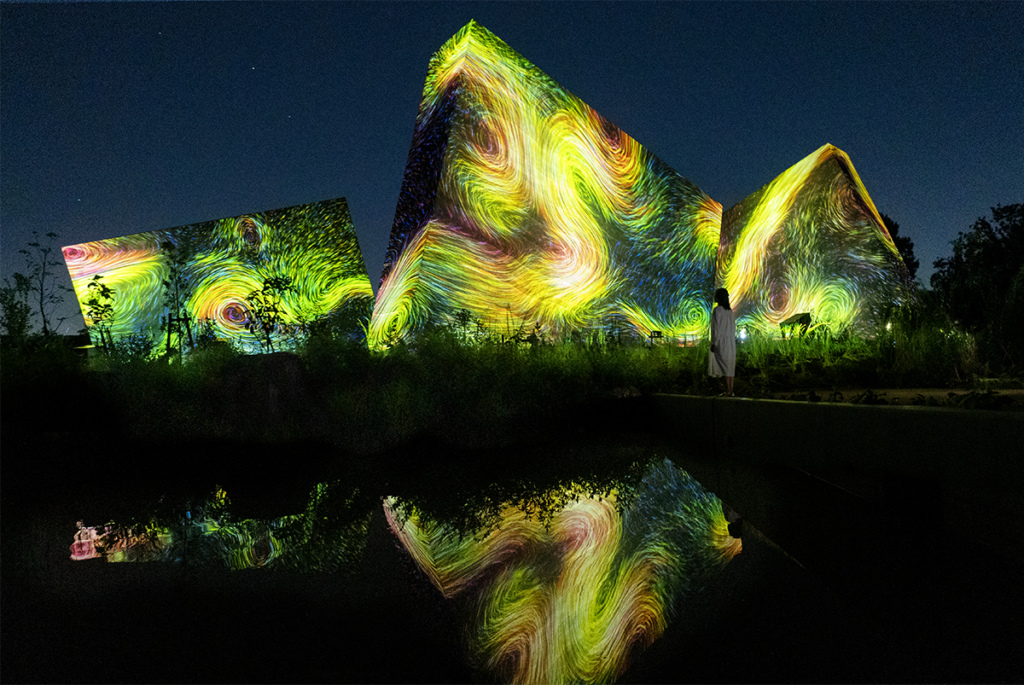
x=810, y=241
x=219, y=264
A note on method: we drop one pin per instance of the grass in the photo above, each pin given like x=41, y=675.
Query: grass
x=448, y=426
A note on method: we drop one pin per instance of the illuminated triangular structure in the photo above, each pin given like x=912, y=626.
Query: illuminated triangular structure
x=220, y=264
x=811, y=241
x=524, y=207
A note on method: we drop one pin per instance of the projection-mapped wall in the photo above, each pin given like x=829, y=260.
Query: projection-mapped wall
x=525, y=207
x=573, y=598
x=207, y=273
x=521, y=210
x=810, y=241
x=572, y=602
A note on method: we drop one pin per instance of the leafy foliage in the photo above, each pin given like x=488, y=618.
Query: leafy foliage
x=100, y=309
x=131, y=349
x=15, y=312
x=981, y=285
x=42, y=261
x=451, y=420
x=177, y=325
x=904, y=244
x=265, y=309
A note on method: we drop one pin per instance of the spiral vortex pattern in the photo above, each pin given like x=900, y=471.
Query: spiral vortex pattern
x=810, y=241
x=522, y=204
x=220, y=264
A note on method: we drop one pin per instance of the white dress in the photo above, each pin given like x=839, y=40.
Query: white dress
x=723, y=336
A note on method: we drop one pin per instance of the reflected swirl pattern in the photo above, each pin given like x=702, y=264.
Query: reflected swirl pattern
x=575, y=601
x=208, y=535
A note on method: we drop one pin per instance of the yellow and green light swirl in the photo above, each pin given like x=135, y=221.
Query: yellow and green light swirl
x=220, y=264
x=521, y=203
x=811, y=241
x=572, y=601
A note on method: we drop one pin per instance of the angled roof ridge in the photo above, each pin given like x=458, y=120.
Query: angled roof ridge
x=820, y=155
x=830, y=151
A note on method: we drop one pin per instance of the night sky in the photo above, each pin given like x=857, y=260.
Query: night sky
x=123, y=118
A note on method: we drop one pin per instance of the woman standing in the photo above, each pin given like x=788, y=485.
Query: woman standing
x=723, y=341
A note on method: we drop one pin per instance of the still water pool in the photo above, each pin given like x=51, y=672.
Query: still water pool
x=575, y=596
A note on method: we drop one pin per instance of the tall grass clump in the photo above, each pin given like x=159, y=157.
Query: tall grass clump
x=915, y=345
x=921, y=347
x=817, y=358
x=477, y=389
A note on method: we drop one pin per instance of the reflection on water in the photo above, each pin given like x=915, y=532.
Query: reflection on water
x=84, y=546
x=114, y=543
x=209, y=535
x=572, y=601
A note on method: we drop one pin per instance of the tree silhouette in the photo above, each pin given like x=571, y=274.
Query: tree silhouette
x=982, y=284
x=41, y=261
x=176, y=292
x=266, y=311
x=904, y=244
x=100, y=309
x=15, y=312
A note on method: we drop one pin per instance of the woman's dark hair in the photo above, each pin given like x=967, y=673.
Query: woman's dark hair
x=722, y=298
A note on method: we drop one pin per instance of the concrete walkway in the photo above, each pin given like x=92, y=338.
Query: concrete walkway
x=910, y=396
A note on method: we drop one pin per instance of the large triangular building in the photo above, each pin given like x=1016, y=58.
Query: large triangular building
x=527, y=209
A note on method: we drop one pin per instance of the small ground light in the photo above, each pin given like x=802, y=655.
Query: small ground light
x=743, y=333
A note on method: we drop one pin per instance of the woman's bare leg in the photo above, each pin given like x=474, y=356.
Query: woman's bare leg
x=728, y=385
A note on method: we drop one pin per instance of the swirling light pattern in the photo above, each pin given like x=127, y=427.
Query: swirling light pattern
x=221, y=263
x=572, y=602
x=810, y=241
x=208, y=534
x=246, y=544
x=522, y=204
